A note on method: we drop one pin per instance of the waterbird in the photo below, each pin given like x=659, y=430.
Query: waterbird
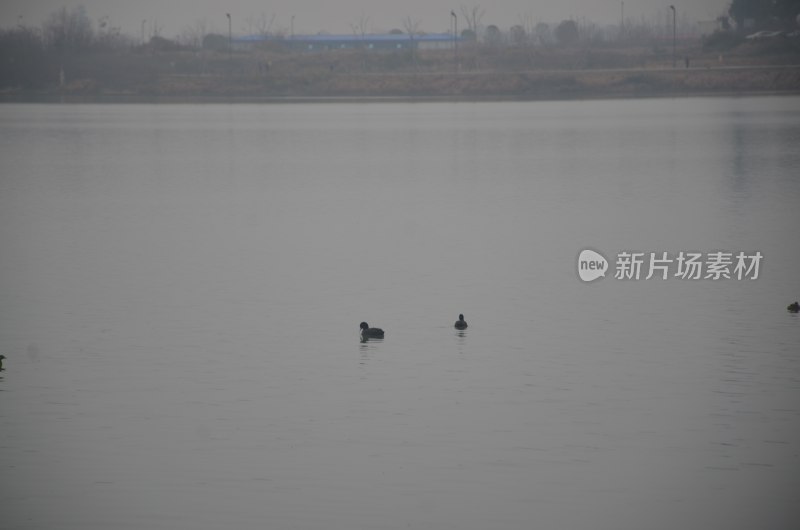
x=370, y=333
x=794, y=308
x=461, y=323
x=1, y=362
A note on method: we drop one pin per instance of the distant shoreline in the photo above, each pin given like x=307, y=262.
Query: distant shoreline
x=111, y=99
x=534, y=85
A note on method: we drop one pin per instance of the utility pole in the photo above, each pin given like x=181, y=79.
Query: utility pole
x=230, y=37
x=674, y=63
x=455, y=39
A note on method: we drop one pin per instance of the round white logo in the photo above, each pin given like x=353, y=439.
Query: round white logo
x=591, y=265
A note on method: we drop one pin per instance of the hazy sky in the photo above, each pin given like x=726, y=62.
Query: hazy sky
x=336, y=16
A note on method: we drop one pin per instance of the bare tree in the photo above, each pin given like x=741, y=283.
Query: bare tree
x=411, y=25
x=528, y=23
x=155, y=29
x=543, y=34
x=192, y=36
x=109, y=37
x=473, y=17
x=68, y=30
x=360, y=26
x=262, y=24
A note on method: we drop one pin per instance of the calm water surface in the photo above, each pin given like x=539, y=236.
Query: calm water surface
x=181, y=288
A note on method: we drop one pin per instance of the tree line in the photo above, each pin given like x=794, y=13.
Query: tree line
x=32, y=57
x=767, y=14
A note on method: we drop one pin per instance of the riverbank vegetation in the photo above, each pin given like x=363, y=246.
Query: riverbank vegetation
x=71, y=55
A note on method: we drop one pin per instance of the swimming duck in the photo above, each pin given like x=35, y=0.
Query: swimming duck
x=461, y=323
x=1, y=362
x=794, y=308
x=370, y=333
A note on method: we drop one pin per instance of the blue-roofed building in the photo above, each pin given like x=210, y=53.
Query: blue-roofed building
x=319, y=42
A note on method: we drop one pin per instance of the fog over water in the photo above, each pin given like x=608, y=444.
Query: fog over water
x=181, y=288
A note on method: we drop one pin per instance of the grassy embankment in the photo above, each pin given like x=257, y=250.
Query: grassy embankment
x=481, y=73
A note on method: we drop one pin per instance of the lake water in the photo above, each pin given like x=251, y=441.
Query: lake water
x=181, y=288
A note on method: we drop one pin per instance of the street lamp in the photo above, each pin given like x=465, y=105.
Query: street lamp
x=230, y=36
x=455, y=38
x=673, y=36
